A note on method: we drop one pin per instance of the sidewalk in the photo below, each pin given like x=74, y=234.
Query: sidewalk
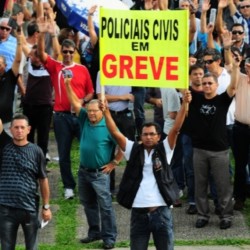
x=198, y=248
x=184, y=225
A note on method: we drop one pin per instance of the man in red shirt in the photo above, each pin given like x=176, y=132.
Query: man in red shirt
x=66, y=125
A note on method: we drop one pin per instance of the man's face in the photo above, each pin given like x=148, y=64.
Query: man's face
x=34, y=59
x=209, y=85
x=149, y=137
x=19, y=130
x=238, y=33
x=244, y=7
x=46, y=8
x=185, y=5
x=196, y=77
x=5, y=30
x=94, y=113
x=211, y=64
x=67, y=54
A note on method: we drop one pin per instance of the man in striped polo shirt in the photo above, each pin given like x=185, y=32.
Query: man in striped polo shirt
x=22, y=168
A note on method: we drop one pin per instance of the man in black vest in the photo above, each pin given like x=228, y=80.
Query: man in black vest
x=146, y=186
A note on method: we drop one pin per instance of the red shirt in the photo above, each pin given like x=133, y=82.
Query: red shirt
x=81, y=82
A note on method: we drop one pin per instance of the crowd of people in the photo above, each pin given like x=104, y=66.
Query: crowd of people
x=187, y=147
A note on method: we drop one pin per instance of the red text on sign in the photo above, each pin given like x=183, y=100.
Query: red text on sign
x=140, y=66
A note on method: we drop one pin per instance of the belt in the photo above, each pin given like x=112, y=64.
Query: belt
x=241, y=124
x=91, y=170
x=144, y=210
x=125, y=111
x=66, y=112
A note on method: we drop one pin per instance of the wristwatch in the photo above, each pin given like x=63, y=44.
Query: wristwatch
x=46, y=206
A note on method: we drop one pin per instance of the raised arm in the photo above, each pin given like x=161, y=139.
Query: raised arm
x=175, y=130
x=18, y=56
x=119, y=137
x=92, y=33
x=53, y=33
x=227, y=43
x=192, y=27
x=43, y=27
x=210, y=37
x=73, y=99
x=231, y=89
x=232, y=7
x=205, y=8
x=219, y=24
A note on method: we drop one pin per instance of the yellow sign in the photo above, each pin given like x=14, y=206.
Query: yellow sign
x=144, y=48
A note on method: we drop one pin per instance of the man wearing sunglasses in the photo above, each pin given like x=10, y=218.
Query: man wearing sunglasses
x=66, y=125
x=241, y=15
x=210, y=146
x=8, y=43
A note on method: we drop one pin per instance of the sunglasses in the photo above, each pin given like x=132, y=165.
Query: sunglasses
x=245, y=6
x=207, y=83
x=235, y=32
x=208, y=61
x=149, y=134
x=68, y=51
x=5, y=28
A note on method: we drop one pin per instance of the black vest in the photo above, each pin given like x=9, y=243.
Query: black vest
x=132, y=176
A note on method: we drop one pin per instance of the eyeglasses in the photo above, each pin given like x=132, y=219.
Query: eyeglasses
x=149, y=134
x=5, y=28
x=245, y=6
x=68, y=51
x=207, y=83
x=208, y=61
x=93, y=110
x=235, y=32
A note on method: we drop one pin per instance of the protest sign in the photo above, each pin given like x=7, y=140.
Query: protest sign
x=144, y=48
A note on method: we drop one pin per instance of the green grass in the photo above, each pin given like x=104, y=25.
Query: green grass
x=66, y=222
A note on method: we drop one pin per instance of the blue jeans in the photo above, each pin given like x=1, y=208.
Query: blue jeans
x=188, y=166
x=10, y=219
x=94, y=194
x=66, y=127
x=159, y=222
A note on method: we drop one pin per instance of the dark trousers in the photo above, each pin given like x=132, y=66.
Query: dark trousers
x=39, y=119
x=241, y=136
x=10, y=219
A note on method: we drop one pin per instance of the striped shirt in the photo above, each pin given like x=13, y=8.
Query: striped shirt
x=8, y=50
x=238, y=18
x=20, y=169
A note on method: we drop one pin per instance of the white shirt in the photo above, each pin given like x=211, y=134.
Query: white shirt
x=148, y=194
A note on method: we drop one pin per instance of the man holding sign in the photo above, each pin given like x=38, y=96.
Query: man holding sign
x=144, y=186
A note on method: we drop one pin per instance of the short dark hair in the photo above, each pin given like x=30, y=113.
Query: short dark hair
x=19, y=117
x=195, y=67
x=211, y=75
x=32, y=28
x=150, y=124
x=213, y=52
x=68, y=43
x=238, y=25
